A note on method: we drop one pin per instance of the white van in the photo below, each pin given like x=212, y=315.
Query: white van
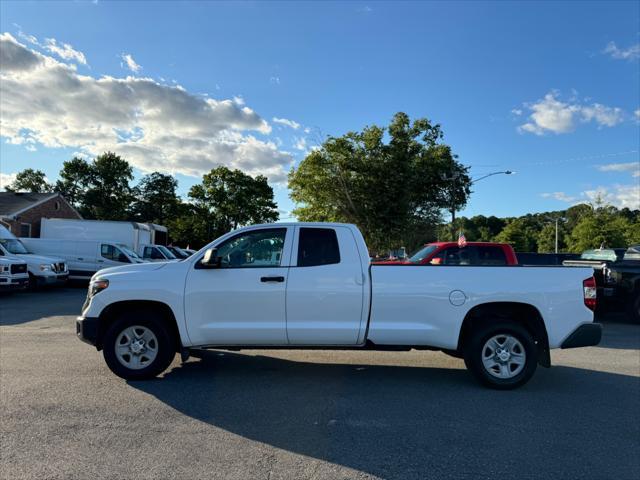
x=43, y=270
x=13, y=274
x=84, y=257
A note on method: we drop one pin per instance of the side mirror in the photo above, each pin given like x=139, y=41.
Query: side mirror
x=211, y=259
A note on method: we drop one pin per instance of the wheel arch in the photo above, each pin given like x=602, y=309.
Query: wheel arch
x=524, y=314
x=112, y=311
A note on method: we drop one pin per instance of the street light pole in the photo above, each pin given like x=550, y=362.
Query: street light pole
x=453, y=208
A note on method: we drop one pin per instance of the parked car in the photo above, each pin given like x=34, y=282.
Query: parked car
x=156, y=253
x=13, y=274
x=473, y=253
x=617, y=274
x=43, y=270
x=83, y=257
x=310, y=285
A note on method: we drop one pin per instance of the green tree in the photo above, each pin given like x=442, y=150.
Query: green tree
x=108, y=194
x=520, y=233
x=155, y=198
x=225, y=200
x=75, y=177
x=30, y=180
x=601, y=226
x=546, y=238
x=393, y=190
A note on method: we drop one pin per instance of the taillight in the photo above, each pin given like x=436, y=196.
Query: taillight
x=590, y=293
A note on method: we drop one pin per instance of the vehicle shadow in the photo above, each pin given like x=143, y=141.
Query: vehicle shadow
x=22, y=307
x=406, y=422
x=620, y=336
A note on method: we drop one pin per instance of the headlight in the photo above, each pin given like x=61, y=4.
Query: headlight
x=97, y=286
x=45, y=267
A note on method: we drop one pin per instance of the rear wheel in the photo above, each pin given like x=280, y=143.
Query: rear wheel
x=501, y=355
x=138, y=346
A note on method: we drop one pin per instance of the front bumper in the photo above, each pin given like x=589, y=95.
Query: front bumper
x=52, y=279
x=586, y=335
x=13, y=283
x=87, y=329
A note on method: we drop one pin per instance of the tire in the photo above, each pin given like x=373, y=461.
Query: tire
x=138, y=345
x=33, y=283
x=485, y=358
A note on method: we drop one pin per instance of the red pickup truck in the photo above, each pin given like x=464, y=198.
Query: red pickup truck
x=450, y=253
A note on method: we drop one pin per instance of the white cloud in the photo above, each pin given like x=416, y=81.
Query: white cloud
x=620, y=196
x=60, y=49
x=620, y=167
x=130, y=63
x=553, y=115
x=6, y=179
x=636, y=114
x=152, y=125
x=563, y=197
x=630, y=53
x=64, y=51
x=516, y=111
x=286, y=122
x=300, y=144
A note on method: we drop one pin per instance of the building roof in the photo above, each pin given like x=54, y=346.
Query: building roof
x=12, y=203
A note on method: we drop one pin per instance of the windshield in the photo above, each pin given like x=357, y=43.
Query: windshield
x=178, y=252
x=128, y=251
x=607, y=255
x=423, y=253
x=166, y=252
x=13, y=246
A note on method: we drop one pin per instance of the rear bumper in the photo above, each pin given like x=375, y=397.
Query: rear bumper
x=585, y=335
x=87, y=329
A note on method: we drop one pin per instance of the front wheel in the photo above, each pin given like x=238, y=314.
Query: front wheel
x=501, y=355
x=138, y=346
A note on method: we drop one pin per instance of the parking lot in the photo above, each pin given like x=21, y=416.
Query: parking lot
x=306, y=414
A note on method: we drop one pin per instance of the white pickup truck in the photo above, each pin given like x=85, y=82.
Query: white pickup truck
x=311, y=285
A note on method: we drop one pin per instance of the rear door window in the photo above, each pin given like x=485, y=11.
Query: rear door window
x=491, y=256
x=318, y=246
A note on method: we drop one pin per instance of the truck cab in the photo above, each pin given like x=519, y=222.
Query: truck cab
x=472, y=253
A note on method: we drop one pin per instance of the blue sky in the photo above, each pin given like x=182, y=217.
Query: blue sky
x=549, y=90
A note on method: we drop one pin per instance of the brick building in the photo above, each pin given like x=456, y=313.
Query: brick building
x=21, y=212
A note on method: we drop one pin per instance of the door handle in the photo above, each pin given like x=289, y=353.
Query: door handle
x=272, y=279
x=100, y=261
x=80, y=258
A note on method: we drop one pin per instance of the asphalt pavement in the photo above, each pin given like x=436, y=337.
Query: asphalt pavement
x=306, y=414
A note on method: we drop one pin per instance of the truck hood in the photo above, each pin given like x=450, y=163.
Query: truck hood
x=133, y=268
x=31, y=258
